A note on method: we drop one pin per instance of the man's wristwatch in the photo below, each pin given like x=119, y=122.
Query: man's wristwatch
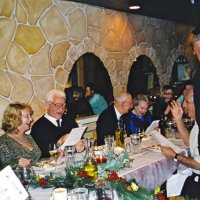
x=176, y=156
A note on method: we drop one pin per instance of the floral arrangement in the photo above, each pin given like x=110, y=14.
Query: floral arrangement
x=76, y=177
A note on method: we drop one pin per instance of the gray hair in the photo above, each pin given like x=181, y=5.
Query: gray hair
x=54, y=93
x=122, y=97
x=138, y=98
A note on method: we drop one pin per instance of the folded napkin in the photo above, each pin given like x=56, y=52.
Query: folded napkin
x=175, y=182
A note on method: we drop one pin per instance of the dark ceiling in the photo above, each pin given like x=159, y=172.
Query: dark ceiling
x=184, y=11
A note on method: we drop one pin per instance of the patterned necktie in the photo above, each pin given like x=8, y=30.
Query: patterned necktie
x=121, y=124
x=58, y=123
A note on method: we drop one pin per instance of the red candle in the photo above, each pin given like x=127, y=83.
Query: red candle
x=101, y=159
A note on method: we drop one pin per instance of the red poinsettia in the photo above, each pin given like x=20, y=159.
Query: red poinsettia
x=114, y=177
x=83, y=173
x=43, y=182
x=161, y=196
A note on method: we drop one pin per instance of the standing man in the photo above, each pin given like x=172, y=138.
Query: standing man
x=97, y=102
x=107, y=122
x=196, y=49
x=54, y=124
x=189, y=184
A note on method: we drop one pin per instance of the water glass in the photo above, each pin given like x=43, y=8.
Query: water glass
x=79, y=194
x=104, y=193
x=128, y=147
x=69, y=150
x=69, y=155
x=109, y=143
x=136, y=143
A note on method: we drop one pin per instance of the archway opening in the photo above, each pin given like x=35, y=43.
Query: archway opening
x=143, y=78
x=90, y=69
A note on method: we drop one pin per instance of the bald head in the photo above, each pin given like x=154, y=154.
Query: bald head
x=123, y=102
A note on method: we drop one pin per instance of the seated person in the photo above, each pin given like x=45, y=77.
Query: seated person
x=187, y=86
x=188, y=186
x=162, y=107
x=108, y=120
x=97, y=101
x=16, y=147
x=54, y=124
x=139, y=118
x=79, y=107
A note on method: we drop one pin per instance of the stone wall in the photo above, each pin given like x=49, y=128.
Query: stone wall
x=40, y=41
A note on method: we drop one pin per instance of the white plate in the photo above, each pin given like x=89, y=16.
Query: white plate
x=155, y=149
x=46, y=168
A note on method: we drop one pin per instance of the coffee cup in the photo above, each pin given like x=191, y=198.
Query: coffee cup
x=60, y=194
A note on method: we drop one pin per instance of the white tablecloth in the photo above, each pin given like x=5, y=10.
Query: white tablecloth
x=149, y=168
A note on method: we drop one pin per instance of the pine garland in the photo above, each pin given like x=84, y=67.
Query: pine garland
x=76, y=177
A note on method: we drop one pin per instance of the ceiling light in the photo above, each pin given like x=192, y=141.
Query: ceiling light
x=134, y=7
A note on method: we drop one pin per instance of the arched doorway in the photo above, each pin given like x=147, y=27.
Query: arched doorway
x=90, y=69
x=142, y=77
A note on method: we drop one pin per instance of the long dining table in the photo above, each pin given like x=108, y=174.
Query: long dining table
x=149, y=168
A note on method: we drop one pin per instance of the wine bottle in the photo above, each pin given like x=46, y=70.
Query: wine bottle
x=162, y=125
x=119, y=137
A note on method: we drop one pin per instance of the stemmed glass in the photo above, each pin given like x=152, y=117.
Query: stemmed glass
x=54, y=152
x=25, y=175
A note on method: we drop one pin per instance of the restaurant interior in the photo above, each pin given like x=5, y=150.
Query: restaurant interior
x=43, y=42
x=54, y=44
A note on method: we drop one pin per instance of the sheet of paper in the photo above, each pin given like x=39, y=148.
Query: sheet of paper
x=10, y=186
x=74, y=136
x=165, y=142
x=152, y=127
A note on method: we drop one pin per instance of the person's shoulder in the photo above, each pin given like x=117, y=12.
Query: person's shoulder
x=108, y=111
x=99, y=96
x=3, y=137
x=41, y=121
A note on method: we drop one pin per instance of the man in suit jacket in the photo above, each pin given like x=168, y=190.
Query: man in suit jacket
x=107, y=122
x=54, y=124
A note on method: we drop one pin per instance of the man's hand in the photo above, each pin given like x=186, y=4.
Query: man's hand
x=80, y=146
x=168, y=151
x=176, y=109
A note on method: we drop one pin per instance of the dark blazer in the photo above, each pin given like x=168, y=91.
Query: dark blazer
x=159, y=108
x=44, y=132
x=107, y=124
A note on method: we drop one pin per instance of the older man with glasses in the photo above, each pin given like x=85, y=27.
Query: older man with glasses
x=54, y=124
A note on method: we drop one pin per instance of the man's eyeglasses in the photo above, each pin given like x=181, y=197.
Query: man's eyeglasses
x=58, y=105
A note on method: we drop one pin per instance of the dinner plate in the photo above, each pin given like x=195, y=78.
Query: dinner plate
x=155, y=150
x=45, y=166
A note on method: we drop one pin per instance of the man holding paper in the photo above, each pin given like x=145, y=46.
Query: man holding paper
x=53, y=126
x=187, y=183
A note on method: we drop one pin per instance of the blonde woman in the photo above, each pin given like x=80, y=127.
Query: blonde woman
x=16, y=147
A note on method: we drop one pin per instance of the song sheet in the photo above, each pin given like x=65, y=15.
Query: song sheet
x=152, y=127
x=74, y=136
x=10, y=186
x=165, y=142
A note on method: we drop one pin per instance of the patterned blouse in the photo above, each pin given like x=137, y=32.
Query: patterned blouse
x=11, y=151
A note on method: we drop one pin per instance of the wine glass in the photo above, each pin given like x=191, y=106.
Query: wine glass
x=54, y=152
x=26, y=176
